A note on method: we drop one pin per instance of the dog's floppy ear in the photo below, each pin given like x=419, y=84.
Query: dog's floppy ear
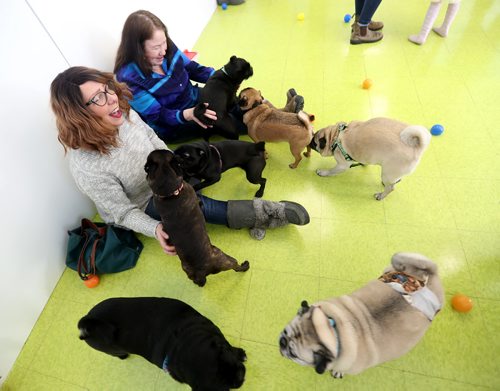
x=242, y=101
x=320, y=362
x=230, y=366
x=233, y=58
x=304, y=307
x=96, y=328
x=150, y=167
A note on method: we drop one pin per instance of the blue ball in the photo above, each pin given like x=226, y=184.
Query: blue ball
x=347, y=18
x=224, y=6
x=437, y=130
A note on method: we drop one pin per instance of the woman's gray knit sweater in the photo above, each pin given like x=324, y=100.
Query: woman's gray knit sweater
x=116, y=183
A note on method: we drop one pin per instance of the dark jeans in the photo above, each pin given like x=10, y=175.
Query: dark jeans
x=215, y=212
x=365, y=10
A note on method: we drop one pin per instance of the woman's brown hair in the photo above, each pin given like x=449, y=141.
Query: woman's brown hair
x=78, y=126
x=139, y=27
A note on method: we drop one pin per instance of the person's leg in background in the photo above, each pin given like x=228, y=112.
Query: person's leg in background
x=364, y=30
x=430, y=17
x=230, y=2
x=451, y=12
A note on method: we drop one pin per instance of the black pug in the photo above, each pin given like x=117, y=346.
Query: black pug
x=207, y=161
x=182, y=218
x=220, y=94
x=168, y=333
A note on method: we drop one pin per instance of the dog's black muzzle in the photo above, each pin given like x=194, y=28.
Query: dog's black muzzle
x=313, y=144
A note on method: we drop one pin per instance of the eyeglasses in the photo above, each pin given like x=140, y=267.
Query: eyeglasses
x=101, y=98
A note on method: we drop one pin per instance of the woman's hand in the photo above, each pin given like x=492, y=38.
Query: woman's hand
x=189, y=116
x=162, y=237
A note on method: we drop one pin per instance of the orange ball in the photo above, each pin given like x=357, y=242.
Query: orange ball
x=367, y=83
x=461, y=303
x=92, y=281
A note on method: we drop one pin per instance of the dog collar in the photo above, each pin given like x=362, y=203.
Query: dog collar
x=230, y=77
x=337, y=144
x=218, y=154
x=333, y=324
x=164, y=366
x=175, y=193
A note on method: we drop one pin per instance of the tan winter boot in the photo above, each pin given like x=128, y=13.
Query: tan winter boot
x=373, y=26
x=259, y=215
x=362, y=34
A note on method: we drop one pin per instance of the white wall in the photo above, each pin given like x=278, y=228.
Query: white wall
x=38, y=199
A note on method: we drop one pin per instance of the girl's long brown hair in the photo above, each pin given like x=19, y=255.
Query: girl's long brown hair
x=78, y=126
x=139, y=27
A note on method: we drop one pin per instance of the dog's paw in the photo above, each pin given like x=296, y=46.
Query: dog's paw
x=323, y=172
x=337, y=375
x=199, y=113
x=379, y=196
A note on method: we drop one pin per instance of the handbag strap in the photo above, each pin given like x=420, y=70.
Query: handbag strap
x=81, y=259
x=101, y=231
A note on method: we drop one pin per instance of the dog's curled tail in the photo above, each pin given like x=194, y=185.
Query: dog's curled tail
x=416, y=136
x=306, y=120
x=91, y=327
x=413, y=263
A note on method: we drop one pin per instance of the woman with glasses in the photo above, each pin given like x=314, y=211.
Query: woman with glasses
x=108, y=144
x=159, y=76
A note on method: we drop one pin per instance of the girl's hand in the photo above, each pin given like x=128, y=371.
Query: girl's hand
x=163, y=237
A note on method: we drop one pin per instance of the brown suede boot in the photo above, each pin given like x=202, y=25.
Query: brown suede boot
x=373, y=26
x=362, y=34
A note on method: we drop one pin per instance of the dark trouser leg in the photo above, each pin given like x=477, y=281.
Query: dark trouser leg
x=369, y=8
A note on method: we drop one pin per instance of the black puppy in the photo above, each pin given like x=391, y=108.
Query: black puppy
x=220, y=94
x=168, y=333
x=207, y=161
x=182, y=218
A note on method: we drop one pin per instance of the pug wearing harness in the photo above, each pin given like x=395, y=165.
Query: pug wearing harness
x=395, y=146
x=182, y=218
x=379, y=322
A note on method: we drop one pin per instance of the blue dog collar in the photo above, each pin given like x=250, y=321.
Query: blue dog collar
x=164, y=366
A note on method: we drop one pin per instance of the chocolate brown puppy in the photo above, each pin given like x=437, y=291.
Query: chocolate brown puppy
x=266, y=123
x=207, y=161
x=182, y=218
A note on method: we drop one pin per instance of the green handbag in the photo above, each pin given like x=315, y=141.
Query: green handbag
x=98, y=248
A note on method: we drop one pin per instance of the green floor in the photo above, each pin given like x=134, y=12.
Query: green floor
x=448, y=209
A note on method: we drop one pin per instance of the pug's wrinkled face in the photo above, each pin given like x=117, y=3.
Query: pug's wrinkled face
x=321, y=142
x=162, y=171
x=238, y=69
x=192, y=158
x=300, y=343
x=249, y=98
